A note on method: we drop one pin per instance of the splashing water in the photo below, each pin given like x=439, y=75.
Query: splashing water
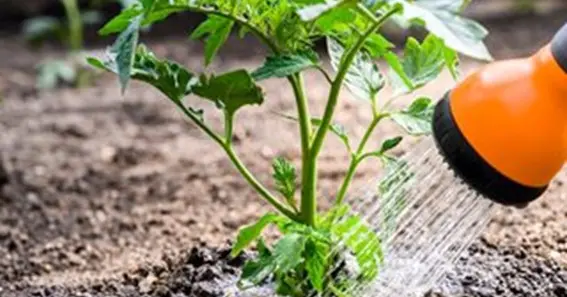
x=425, y=216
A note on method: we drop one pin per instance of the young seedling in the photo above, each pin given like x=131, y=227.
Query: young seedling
x=312, y=243
x=71, y=70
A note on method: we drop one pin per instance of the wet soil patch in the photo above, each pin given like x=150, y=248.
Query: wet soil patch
x=489, y=271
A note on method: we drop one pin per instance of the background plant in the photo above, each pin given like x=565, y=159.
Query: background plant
x=307, y=249
x=69, y=31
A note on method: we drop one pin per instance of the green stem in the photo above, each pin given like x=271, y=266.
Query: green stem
x=257, y=185
x=238, y=163
x=308, y=201
x=228, y=128
x=325, y=74
x=75, y=24
x=309, y=191
x=303, y=115
x=199, y=123
x=346, y=182
x=356, y=159
x=308, y=206
x=338, y=83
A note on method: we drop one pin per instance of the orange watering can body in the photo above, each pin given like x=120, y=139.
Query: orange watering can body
x=504, y=128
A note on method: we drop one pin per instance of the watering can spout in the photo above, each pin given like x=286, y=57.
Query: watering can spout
x=503, y=129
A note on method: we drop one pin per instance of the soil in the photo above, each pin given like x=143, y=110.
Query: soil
x=103, y=195
x=487, y=270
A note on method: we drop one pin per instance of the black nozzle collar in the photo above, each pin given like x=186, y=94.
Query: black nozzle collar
x=471, y=167
x=559, y=47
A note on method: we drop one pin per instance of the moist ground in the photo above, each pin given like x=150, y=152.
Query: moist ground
x=106, y=196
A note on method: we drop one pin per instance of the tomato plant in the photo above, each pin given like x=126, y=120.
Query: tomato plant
x=313, y=243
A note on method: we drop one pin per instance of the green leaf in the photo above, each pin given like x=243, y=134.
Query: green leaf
x=421, y=64
x=313, y=11
x=250, y=233
x=315, y=263
x=363, y=242
x=397, y=174
x=398, y=77
x=412, y=124
x=420, y=105
x=286, y=65
x=441, y=18
x=263, y=250
x=123, y=51
x=148, y=4
x=377, y=45
x=287, y=286
x=416, y=119
x=337, y=212
x=120, y=22
x=285, y=177
x=257, y=271
x=338, y=20
x=159, y=10
x=288, y=252
x=98, y=64
x=170, y=78
x=217, y=29
x=452, y=62
x=363, y=78
x=230, y=91
x=390, y=144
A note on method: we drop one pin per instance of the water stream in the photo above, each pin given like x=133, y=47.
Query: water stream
x=426, y=219
x=425, y=216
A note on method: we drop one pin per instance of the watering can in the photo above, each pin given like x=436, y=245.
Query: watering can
x=503, y=129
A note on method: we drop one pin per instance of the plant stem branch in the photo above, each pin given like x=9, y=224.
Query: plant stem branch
x=199, y=123
x=238, y=163
x=325, y=74
x=303, y=115
x=308, y=201
x=309, y=191
x=347, y=180
x=228, y=128
x=75, y=24
x=257, y=185
x=310, y=182
x=357, y=158
x=338, y=82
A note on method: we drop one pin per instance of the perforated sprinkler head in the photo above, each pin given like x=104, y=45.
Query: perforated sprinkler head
x=503, y=129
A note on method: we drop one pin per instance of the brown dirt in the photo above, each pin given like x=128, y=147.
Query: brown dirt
x=96, y=189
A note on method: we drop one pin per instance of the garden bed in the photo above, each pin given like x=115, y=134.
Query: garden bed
x=110, y=196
